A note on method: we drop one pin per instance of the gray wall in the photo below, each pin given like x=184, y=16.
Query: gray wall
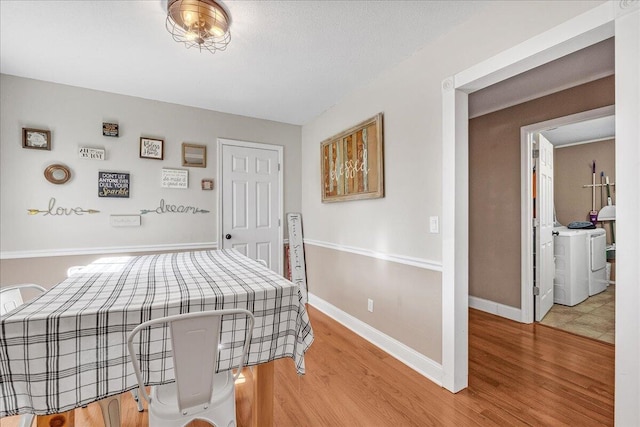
x=74, y=116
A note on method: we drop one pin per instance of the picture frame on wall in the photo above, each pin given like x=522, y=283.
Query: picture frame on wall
x=36, y=139
x=151, y=148
x=351, y=163
x=194, y=155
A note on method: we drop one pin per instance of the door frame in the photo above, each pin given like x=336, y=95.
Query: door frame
x=258, y=146
x=613, y=18
x=526, y=199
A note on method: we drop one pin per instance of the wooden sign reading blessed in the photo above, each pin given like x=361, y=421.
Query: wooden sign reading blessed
x=352, y=163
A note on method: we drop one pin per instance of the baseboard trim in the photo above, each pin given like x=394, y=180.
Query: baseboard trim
x=401, y=259
x=416, y=361
x=496, y=308
x=107, y=250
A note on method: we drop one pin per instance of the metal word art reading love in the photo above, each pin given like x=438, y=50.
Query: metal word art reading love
x=52, y=210
x=167, y=208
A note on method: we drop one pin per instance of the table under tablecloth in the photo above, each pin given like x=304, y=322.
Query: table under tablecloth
x=67, y=348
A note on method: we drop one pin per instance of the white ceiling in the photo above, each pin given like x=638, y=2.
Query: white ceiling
x=288, y=61
x=599, y=129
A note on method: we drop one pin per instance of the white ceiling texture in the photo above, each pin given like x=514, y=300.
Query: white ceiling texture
x=288, y=61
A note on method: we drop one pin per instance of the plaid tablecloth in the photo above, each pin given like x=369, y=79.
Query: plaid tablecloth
x=67, y=348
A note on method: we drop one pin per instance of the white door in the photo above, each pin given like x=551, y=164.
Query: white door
x=250, y=201
x=545, y=265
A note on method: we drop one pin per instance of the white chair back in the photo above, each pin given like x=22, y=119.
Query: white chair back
x=11, y=296
x=195, y=342
x=75, y=269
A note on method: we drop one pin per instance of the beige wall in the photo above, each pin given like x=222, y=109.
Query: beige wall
x=494, y=186
x=48, y=271
x=397, y=226
x=399, y=316
x=573, y=170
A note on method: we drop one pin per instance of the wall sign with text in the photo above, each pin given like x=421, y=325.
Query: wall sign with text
x=297, y=266
x=110, y=129
x=113, y=184
x=352, y=164
x=91, y=153
x=175, y=178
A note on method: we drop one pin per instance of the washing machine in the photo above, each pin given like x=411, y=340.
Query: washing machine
x=571, y=281
x=597, y=250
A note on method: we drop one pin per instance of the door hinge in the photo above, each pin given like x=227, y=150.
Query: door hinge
x=535, y=153
x=536, y=291
x=535, y=222
x=279, y=222
x=278, y=167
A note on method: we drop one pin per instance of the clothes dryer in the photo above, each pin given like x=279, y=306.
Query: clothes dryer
x=597, y=251
x=571, y=279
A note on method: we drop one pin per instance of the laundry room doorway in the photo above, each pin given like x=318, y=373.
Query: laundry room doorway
x=543, y=271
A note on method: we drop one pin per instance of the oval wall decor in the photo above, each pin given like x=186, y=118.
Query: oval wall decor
x=57, y=174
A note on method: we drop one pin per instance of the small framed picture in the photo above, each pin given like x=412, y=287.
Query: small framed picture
x=151, y=148
x=36, y=139
x=207, y=184
x=194, y=155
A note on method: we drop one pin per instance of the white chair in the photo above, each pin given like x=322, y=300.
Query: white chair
x=10, y=298
x=74, y=269
x=198, y=392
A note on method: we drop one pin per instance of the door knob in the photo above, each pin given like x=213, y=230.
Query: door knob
x=228, y=236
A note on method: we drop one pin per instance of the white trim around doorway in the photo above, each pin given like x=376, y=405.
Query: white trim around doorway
x=613, y=18
x=526, y=197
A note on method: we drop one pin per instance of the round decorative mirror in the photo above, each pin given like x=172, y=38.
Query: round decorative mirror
x=57, y=174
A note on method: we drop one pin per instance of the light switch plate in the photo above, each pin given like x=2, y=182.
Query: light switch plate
x=434, y=226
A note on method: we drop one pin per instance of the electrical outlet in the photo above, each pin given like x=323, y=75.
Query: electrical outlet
x=370, y=305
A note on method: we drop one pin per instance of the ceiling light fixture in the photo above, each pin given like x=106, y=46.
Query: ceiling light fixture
x=199, y=23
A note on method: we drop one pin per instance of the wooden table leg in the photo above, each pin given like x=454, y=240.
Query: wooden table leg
x=65, y=419
x=262, y=414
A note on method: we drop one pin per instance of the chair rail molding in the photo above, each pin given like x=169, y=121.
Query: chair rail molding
x=400, y=259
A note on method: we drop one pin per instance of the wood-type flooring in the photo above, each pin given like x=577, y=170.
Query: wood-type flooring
x=519, y=375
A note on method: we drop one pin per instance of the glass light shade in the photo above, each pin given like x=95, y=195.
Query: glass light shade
x=199, y=23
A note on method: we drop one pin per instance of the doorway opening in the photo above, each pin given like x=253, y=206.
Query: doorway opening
x=572, y=288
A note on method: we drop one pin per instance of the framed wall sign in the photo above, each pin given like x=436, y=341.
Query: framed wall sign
x=352, y=163
x=297, y=265
x=175, y=178
x=91, y=153
x=151, y=148
x=110, y=129
x=194, y=155
x=36, y=138
x=207, y=184
x=113, y=184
